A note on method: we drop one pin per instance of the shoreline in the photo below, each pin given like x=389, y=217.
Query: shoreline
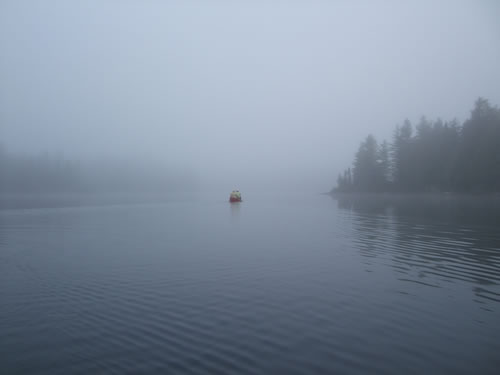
x=495, y=195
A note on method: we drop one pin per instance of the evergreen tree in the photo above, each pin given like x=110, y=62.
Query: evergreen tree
x=479, y=154
x=402, y=153
x=366, y=173
x=384, y=164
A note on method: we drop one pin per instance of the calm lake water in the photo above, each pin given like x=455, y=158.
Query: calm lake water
x=288, y=285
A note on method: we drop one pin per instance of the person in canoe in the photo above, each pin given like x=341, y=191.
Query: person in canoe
x=235, y=196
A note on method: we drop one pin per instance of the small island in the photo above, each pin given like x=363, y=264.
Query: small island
x=433, y=156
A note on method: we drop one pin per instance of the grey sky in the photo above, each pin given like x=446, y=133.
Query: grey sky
x=245, y=93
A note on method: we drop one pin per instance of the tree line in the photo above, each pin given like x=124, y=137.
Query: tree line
x=433, y=156
x=46, y=173
x=42, y=173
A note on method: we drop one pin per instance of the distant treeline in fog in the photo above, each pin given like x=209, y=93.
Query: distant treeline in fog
x=431, y=157
x=54, y=174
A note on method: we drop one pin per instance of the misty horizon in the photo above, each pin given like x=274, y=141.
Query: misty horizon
x=249, y=187
x=246, y=95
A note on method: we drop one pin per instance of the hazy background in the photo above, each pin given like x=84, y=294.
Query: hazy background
x=246, y=95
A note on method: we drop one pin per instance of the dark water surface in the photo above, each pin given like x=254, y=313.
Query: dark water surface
x=292, y=285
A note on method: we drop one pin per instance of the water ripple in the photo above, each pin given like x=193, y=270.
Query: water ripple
x=116, y=290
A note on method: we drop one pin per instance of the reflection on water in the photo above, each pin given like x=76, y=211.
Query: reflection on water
x=235, y=209
x=292, y=285
x=431, y=240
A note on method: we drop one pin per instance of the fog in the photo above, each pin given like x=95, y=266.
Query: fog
x=254, y=95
